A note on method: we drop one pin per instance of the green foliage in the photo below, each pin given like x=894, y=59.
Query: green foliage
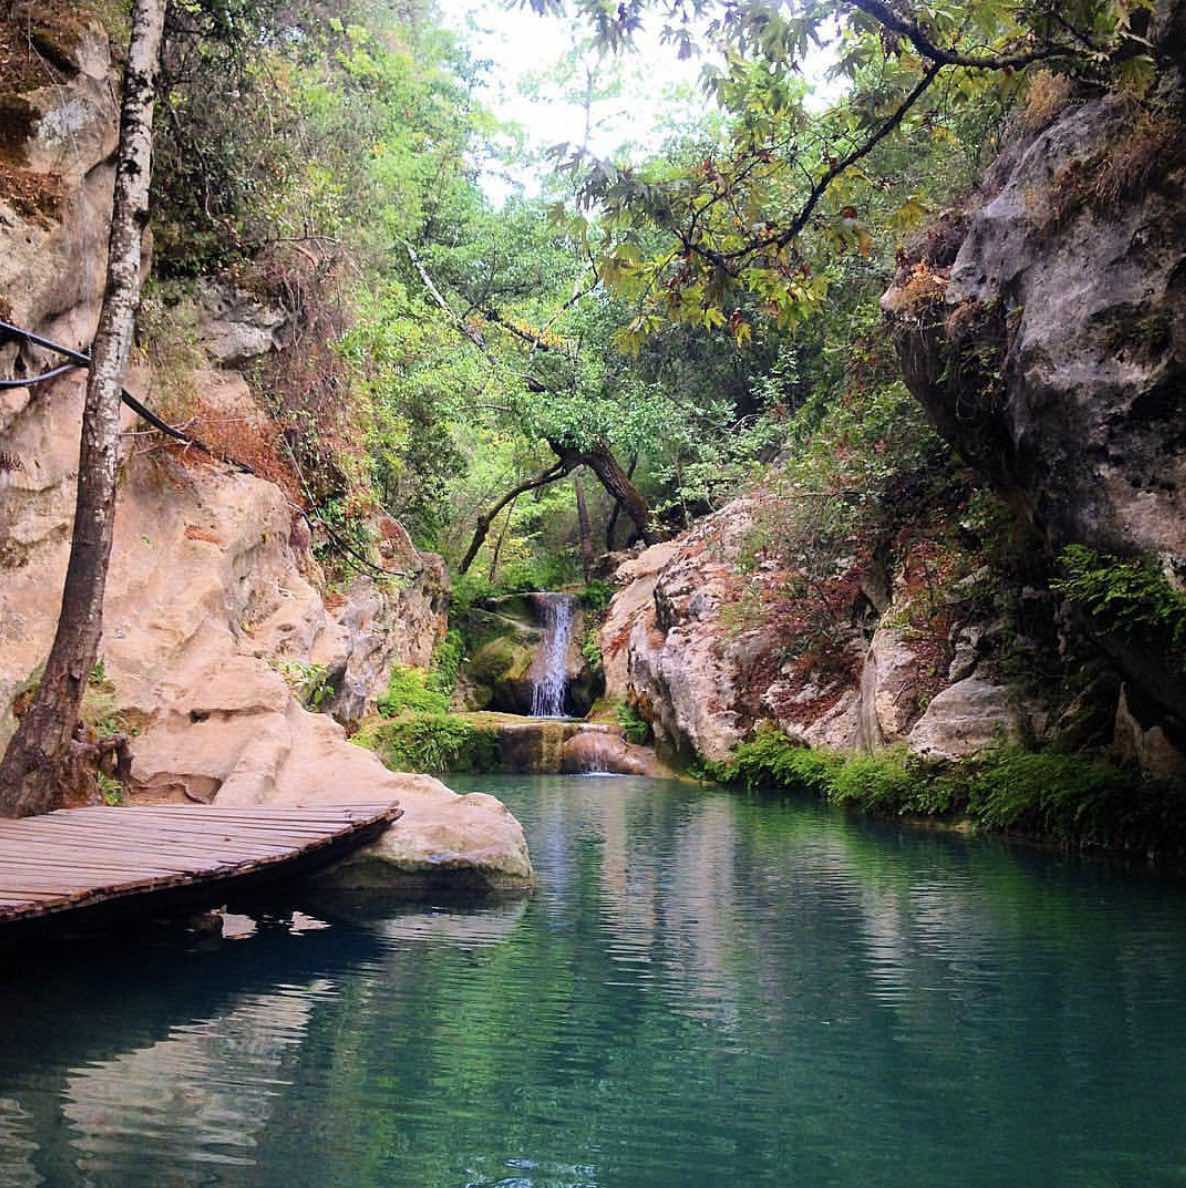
x=591, y=648
x=637, y=728
x=309, y=682
x=100, y=703
x=447, y=658
x=408, y=691
x=754, y=220
x=1131, y=597
x=110, y=789
x=1072, y=799
x=770, y=759
x=432, y=742
x=596, y=596
x=878, y=782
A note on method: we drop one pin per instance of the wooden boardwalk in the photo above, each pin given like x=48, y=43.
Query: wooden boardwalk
x=91, y=864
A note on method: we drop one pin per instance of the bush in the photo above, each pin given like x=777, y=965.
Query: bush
x=310, y=683
x=770, y=759
x=878, y=783
x=638, y=729
x=596, y=596
x=591, y=649
x=433, y=743
x=447, y=658
x=1131, y=597
x=1074, y=799
x=408, y=691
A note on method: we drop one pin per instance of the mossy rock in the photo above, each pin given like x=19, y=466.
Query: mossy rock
x=499, y=660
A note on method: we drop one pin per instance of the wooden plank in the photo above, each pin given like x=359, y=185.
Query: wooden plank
x=247, y=833
x=81, y=858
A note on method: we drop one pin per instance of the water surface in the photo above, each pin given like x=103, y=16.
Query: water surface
x=705, y=990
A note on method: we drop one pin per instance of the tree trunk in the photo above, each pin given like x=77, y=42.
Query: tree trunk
x=583, y=525
x=506, y=524
x=482, y=527
x=612, y=523
x=43, y=757
x=614, y=479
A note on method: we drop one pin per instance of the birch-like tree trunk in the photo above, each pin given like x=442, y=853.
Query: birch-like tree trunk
x=45, y=761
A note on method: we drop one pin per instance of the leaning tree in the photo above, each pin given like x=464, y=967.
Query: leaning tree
x=47, y=758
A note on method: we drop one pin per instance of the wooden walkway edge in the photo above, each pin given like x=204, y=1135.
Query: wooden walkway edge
x=78, y=866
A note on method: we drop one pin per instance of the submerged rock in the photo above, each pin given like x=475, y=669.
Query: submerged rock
x=606, y=752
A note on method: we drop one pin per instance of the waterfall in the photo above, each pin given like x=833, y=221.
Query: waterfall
x=549, y=675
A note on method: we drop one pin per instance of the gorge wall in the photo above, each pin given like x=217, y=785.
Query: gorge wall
x=217, y=615
x=1042, y=327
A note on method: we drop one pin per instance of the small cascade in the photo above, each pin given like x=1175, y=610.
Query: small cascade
x=549, y=674
x=596, y=754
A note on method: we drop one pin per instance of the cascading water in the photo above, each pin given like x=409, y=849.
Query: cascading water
x=550, y=673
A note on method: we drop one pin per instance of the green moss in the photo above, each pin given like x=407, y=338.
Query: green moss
x=434, y=742
x=408, y=691
x=447, y=658
x=1073, y=799
x=499, y=659
x=1131, y=597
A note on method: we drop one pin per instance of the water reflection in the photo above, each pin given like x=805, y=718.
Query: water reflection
x=706, y=989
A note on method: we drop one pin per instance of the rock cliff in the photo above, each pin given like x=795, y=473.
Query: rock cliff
x=1042, y=327
x=704, y=673
x=1050, y=348
x=221, y=635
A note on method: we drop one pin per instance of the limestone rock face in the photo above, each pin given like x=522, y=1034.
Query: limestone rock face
x=704, y=679
x=965, y=718
x=1081, y=305
x=665, y=649
x=208, y=606
x=235, y=328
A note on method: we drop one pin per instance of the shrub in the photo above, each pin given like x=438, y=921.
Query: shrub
x=638, y=729
x=310, y=683
x=1077, y=799
x=447, y=658
x=591, y=648
x=597, y=596
x=773, y=760
x=433, y=743
x=878, y=782
x=408, y=691
x=1132, y=597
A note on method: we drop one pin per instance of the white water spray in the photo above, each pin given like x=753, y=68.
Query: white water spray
x=550, y=672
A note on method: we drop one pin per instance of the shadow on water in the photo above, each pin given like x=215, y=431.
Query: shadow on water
x=705, y=989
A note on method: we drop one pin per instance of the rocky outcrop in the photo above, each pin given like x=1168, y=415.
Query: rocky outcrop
x=220, y=636
x=1043, y=328
x=1048, y=344
x=678, y=650
x=665, y=647
x=234, y=328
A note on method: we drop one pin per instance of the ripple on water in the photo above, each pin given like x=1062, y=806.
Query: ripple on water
x=706, y=989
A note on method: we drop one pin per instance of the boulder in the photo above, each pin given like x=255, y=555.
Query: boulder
x=963, y=719
x=605, y=751
x=1140, y=738
x=233, y=327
